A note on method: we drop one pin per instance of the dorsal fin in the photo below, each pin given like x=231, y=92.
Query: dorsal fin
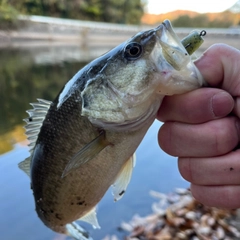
x=35, y=120
x=25, y=165
x=34, y=123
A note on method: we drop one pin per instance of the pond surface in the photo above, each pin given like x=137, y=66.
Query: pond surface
x=27, y=74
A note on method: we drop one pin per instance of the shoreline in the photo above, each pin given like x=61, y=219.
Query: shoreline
x=18, y=39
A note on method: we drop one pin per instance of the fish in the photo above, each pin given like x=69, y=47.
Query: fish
x=84, y=141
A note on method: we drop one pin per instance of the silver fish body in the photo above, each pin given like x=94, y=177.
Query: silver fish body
x=84, y=141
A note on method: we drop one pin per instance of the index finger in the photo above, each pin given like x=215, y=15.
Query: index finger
x=198, y=106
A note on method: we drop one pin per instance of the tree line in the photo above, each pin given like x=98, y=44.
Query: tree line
x=115, y=11
x=203, y=20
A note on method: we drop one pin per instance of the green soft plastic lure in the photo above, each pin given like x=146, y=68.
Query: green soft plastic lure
x=193, y=41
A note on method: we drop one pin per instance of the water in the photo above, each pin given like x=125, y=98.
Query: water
x=41, y=72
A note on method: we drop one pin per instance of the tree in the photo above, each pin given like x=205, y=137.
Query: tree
x=8, y=14
x=116, y=11
x=204, y=21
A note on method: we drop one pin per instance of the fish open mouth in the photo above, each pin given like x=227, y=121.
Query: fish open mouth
x=172, y=61
x=173, y=50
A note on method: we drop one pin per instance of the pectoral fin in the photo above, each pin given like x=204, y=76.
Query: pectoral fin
x=91, y=217
x=123, y=178
x=25, y=166
x=86, y=153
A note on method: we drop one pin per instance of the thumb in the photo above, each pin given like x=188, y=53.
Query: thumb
x=220, y=67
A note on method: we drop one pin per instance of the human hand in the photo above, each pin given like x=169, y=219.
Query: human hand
x=200, y=130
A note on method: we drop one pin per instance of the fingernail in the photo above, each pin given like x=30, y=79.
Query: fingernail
x=222, y=104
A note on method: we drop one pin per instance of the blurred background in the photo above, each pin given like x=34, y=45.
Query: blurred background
x=43, y=43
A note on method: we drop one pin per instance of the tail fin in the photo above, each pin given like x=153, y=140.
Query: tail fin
x=77, y=232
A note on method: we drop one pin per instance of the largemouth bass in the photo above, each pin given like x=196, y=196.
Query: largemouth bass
x=84, y=141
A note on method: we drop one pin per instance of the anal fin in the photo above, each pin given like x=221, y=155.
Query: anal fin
x=91, y=217
x=123, y=178
x=86, y=153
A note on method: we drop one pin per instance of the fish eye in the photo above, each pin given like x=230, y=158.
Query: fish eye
x=133, y=51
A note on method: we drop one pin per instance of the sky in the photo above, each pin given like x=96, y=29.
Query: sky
x=164, y=6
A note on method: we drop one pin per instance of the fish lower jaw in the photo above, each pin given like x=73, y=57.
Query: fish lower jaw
x=179, y=88
x=178, y=82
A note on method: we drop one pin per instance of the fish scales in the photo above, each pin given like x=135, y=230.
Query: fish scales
x=84, y=141
x=68, y=195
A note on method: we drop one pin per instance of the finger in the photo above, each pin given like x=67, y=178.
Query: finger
x=217, y=196
x=198, y=106
x=209, y=139
x=219, y=66
x=236, y=109
x=222, y=170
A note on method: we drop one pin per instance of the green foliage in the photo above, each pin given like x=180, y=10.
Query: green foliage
x=201, y=20
x=8, y=15
x=116, y=11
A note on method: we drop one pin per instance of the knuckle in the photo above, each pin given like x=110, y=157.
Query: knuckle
x=225, y=136
x=186, y=169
